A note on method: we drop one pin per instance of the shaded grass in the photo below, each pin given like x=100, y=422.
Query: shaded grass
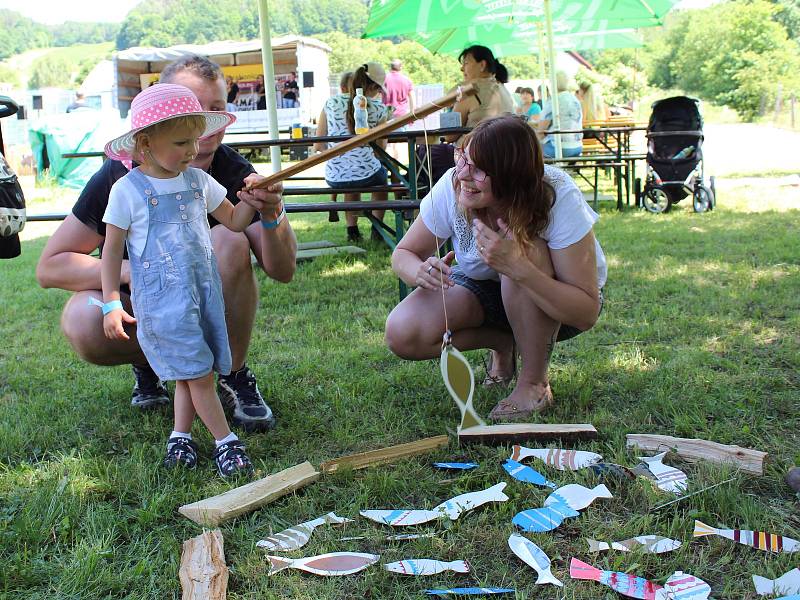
x=699, y=338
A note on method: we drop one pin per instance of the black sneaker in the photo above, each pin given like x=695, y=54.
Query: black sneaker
x=148, y=392
x=239, y=393
x=353, y=234
x=181, y=452
x=232, y=460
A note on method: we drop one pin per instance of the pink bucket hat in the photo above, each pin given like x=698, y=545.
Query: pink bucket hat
x=161, y=102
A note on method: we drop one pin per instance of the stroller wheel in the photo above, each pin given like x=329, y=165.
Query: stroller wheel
x=713, y=187
x=703, y=199
x=656, y=200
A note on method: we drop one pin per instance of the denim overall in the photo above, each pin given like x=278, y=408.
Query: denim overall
x=177, y=293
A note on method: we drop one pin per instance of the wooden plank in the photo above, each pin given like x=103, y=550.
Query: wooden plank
x=506, y=433
x=384, y=455
x=365, y=138
x=692, y=450
x=317, y=252
x=315, y=244
x=218, y=509
x=203, y=573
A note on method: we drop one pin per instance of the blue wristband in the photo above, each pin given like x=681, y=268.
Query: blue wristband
x=276, y=222
x=107, y=307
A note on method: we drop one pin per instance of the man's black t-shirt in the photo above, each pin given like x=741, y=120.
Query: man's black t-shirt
x=227, y=167
x=290, y=90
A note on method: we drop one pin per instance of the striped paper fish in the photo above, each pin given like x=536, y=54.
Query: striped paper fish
x=400, y=517
x=298, y=536
x=539, y=520
x=534, y=557
x=652, y=544
x=668, y=478
x=788, y=583
x=682, y=586
x=627, y=585
x=458, y=466
x=526, y=474
x=756, y=539
x=330, y=565
x=470, y=591
x=577, y=496
x=563, y=460
x=457, y=506
x=401, y=537
x=426, y=566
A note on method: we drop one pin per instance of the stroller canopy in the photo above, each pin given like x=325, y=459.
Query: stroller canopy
x=679, y=113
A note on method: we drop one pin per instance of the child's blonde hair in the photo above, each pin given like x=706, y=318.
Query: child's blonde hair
x=191, y=122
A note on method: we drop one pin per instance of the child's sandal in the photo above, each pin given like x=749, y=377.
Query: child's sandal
x=231, y=460
x=181, y=452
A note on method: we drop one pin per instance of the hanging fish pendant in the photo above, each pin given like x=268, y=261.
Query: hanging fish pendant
x=682, y=586
x=627, y=585
x=534, y=557
x=329, y=565
x=426, y=566
x=460, y=383
x=457, y=506
x=668, y=478
x=526, y=474
x=298, y=536
x=652, y=544
x=563, y=460
x=756, y=539
x=788, y=583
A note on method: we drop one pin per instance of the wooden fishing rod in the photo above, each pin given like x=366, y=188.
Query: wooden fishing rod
x=365, y=138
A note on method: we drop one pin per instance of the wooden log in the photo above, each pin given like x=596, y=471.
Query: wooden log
x=365, y=138
x=506, y=433
x=691, y=450
x=218, y=509
x=203, y=573
x=384, y=455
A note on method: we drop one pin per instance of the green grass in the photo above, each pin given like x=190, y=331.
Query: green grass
x=698, y=338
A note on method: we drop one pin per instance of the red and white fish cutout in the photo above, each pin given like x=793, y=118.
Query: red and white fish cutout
x=426, y=566
x=460, y=383
x=682, y=586
x=651, y=544
x=333, y=564
x=296, y=537
x=623, y=583
x=534, y=557
x=668, y=478
x=563, y=460
x=756, y=539
x=576, y=496
x=787, y=584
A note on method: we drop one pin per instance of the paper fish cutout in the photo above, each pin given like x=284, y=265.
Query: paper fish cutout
x=539, y=520
x=606, y=470
x=792, y=597
x=465, y=466
x=534, y=557
x=452, y=508
x=392, y=538
x=627, y=585
x=330, y=565
x=577, y=496
x=526, y=474
x=470, y=591
x=652, y=544
x=756, y=539
x=788, y=583
x=426, y=566
x=682, y=586
x=668, y=478
x=563, y=460
x=460, y=383
x=298, y=536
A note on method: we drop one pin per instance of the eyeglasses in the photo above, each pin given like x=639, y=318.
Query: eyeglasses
x=462, y=163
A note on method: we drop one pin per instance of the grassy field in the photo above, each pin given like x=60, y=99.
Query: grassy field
x=700, y=337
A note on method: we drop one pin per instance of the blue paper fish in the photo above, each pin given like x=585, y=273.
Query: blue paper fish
x=471, y=591
x=526, y=474
x=543, y=519
x=455, y=465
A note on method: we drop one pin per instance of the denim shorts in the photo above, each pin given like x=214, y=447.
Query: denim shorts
x=549, y=150
x=374, y=180
x=494, y=313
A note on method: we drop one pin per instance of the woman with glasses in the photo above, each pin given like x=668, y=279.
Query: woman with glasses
x=526, y=270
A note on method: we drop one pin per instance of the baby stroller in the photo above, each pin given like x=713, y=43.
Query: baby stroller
x=12, y=202
x=675, y=158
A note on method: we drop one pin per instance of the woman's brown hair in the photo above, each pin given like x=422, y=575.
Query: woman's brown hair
x=506, y=149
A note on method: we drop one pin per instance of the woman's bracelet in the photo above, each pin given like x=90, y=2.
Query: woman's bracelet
x=276, y=222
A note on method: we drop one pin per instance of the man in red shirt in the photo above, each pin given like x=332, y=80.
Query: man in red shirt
x=398, y=90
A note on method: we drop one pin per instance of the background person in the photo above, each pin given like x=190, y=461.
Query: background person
x=233, y=92
x=399, y=90
x=593, y=106
x=529, y=108
x=529, y=268
x=571, y=116
x=66, y=261
x=291, y=92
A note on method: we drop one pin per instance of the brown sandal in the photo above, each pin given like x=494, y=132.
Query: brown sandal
x=509, y=412
x=491, y=380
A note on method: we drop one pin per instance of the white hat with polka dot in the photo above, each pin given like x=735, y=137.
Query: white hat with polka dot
x=161, y=102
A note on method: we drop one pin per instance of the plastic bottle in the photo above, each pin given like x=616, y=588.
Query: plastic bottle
x=360, y=112
x=685, y=153
x=297, y=131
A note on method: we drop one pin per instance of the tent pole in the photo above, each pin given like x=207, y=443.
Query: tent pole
x=542, y=90
x=269, y=82
x=548, y=13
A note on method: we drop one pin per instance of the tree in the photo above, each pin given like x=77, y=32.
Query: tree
x=18, y=34
x=50, y=71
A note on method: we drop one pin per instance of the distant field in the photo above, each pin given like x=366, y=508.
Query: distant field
x=21, y=63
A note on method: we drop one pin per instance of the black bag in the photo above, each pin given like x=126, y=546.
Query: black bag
x=12, y=211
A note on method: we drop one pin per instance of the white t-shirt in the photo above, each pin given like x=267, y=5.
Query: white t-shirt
x=127, y=209
x=571, y=218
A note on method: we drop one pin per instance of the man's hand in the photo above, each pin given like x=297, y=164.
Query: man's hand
x=267, y=201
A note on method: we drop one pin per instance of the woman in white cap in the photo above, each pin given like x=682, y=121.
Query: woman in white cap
x=358, y=168
x=159, y=210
